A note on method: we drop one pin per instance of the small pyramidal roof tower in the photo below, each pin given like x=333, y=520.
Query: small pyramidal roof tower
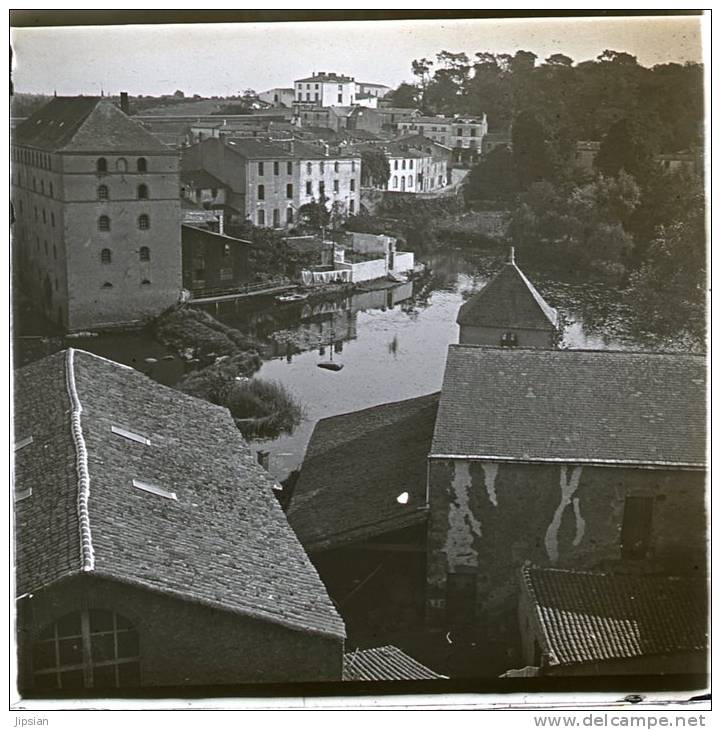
x=509, y=312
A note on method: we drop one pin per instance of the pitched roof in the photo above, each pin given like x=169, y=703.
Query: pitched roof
x=201, y=179
x=384, y=663
x=573, y=406
x=592, y=617
x=223, y=542
x=85, y=124
x=254, y=148
x=356, y=467
x=509, y=300
x=327, y=77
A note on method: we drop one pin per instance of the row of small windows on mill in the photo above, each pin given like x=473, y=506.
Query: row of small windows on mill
x=143, y=222
x=106, y=255
x=121, y=165
x=104, y=193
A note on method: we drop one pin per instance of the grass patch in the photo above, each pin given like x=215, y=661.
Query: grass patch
x=195, y=334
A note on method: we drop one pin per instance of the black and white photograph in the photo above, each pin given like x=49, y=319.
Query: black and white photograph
x=358, y=353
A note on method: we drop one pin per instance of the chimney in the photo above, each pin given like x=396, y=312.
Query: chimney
x=124, y=104
x=511, y=255
x=264, y=459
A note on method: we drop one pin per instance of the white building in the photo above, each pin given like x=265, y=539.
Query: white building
x=278, y=96
x=377, y=90
x=463, y=134
x=326, y=89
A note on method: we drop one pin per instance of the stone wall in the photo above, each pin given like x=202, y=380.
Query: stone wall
x=184, y=643
x=487, y=519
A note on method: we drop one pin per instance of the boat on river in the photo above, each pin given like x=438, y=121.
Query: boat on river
x=294, y=297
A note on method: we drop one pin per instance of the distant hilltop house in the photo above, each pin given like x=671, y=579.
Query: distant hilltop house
x=96, y=238
x=463, y=134
x=326, y=89
x=267, y=183
x=149, y=551
x=508, y=312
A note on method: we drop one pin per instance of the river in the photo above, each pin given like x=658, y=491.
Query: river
x=392, y=343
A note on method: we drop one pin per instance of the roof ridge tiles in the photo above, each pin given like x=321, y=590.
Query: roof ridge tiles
x=87, y=554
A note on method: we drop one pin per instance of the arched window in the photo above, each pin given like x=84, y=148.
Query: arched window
x=395, y=181
x=121, y=165
x=103, y=223
x=142, y=164
x=144, y=253
x=85, y=649
x=106, y=256
x=51, y=190
x=336, y=166
x=142, y=192
x=102, y=192
x=143, y=222
x=101, y=165
x=309, y=168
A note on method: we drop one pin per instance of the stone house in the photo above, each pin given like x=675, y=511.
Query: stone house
x=463, y=134
x=213, y=261
x=96, y=201
x=267, y=182
x=151, y=552
x=508, y=312
x=586, y=460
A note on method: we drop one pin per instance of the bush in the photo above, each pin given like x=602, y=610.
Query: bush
x=196, y=334
x=263, y=409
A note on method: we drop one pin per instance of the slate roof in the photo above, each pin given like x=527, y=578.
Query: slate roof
x=327, y=77
x=593, y=617
x=256, y=149
x=85, y=124
x=573, y=406
x=355, y=468
x=224, y=542
x=509, y=300
x=384, y=663
x=201, y=179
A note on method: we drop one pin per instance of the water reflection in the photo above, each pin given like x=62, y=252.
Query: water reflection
x=392, y=342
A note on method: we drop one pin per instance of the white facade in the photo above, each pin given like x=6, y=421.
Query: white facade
x=458, y=132
x=326, y=89
x=278, y=96
x=377, y=90
x=336, y=179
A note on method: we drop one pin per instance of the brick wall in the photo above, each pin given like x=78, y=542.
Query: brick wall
x=183, y=643
x=488, y=519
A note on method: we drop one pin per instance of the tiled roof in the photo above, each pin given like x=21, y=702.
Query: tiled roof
x=85, y=124
x=356, y=467
x=327, y=77
x=201, y=179
x=573, y=406
x=592, y=617
x=509, y=300
x=255, y=149
x=384, y=663
x=223, y=542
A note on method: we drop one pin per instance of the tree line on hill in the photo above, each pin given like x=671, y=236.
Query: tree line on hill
x=640, y=228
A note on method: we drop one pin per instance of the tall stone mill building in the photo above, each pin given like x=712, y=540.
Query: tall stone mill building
x=96, y=205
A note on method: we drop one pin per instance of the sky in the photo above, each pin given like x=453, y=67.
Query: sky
x=213, y=59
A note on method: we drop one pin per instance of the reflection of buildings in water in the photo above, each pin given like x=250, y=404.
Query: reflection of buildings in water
x=318, y=325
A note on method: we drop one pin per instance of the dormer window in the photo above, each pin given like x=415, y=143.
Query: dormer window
x=509, y=339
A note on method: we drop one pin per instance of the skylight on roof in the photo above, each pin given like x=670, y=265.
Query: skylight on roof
x=22, y=443
x=154, y=489
x=130, y=435
x=21, y=494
